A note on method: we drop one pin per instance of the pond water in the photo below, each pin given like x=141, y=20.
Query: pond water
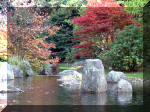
x=45, y=90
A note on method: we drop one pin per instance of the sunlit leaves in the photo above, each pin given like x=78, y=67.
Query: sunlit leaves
x=3, y=44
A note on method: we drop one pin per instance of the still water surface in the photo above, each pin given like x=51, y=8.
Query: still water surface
x=45, y=90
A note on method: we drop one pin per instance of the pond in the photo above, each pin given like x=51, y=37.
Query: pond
x=45, y=90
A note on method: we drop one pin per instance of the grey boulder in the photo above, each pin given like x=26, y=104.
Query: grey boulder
x=10, y=72
x=115, y=76
x=93, y=78
x=124, y=86
x=18, y=73
x=70, y=78
x=28, y=68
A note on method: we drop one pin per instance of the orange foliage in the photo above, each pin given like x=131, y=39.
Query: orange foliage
x=3, y=44
x=3, y=37
x=24, y=40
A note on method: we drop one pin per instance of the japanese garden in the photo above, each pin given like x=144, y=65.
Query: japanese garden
x=71, y=52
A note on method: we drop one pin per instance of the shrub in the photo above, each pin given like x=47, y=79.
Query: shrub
x=69, y=57
x=126, y=52
x=37, y=65
x=16, y=60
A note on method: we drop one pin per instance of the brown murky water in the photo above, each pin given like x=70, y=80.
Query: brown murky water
x=45, y=90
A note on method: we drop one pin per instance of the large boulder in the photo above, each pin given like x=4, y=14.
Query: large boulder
x=70, y=78
x=18, y=73
x=3, y=85
x=124, y=86
x=115, y=76
x=28, y=68
x=93, y=78
x=6, y=71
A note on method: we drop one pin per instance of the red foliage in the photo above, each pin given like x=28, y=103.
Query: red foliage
x=23, y=38
x=100, y=19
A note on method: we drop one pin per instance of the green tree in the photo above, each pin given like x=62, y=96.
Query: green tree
x=61, y=17
x=61, y=3
x=126, y=52
x=135, y=7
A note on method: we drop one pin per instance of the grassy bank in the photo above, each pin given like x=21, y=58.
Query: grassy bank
x=135, y=74
x=67, y=66
x=64, y=66
x=130, y=74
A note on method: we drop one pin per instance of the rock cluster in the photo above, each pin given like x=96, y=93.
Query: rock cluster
x=120, y=83
x=91, y=78
x=10, y=72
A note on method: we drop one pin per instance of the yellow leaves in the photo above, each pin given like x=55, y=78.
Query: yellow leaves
x=53, y=30
x=76, y=67
x=3, y=44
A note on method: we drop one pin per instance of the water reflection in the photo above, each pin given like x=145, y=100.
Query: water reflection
x=45, y=90
x=124, y=98
x=94, y=99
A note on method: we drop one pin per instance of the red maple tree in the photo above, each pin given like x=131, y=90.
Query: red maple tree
x=100, y=20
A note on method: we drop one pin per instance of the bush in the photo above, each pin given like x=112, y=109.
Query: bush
x=37, y=65
x=126, y=52
x=16, y=60
x=69, y=55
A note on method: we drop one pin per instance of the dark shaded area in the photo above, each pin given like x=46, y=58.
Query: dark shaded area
x=146, y=66
x=77, y=108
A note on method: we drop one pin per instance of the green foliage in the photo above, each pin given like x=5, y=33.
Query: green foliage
x=135, y=7
x=62, y=3
x=2, y=59
x=16, y=60
x=62, y=39
x=135, y=74
x=64, y=66
x=126, y=52
x=69, y=56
